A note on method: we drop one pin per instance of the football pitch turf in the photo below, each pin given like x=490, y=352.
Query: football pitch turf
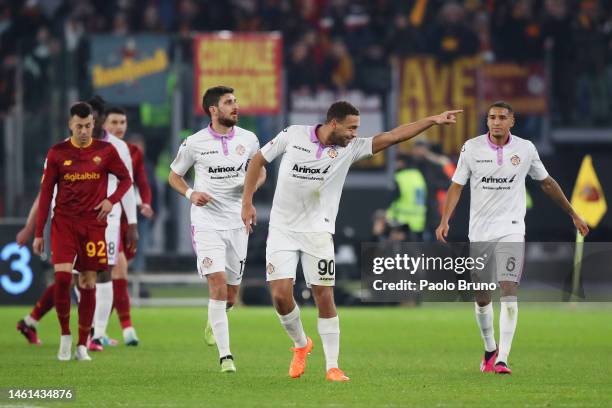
x=427, y=356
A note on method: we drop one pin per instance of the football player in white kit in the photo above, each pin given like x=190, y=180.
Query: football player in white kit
x=315, y=162
x=496, y=164
x=105, y=296
x=220, y=154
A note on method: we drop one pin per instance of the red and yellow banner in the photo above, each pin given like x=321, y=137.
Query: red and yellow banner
x=523, y=86
x=249, y=63
x=429, y=87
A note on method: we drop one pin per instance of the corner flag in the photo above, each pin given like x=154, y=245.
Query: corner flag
x=589, y=202
x=588, y=197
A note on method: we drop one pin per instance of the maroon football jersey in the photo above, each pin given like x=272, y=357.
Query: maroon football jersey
x=81, y=176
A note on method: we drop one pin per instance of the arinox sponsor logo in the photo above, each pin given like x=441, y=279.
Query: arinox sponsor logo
x=498, y=180
x=224, y=169
x=310, y=170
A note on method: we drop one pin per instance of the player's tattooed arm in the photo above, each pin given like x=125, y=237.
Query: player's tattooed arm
x=553, y=190
x=406, y=132
x=452, y=198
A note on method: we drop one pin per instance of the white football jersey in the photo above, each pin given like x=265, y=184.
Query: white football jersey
x=497, y=184
x=128, y=201
x=220, y=163
x=310, y=178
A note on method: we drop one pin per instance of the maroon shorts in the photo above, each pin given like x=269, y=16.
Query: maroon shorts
x=124, y=228
x=80, y=242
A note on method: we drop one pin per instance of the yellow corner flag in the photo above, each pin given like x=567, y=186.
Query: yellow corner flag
x=589, y=202
x=588, y=197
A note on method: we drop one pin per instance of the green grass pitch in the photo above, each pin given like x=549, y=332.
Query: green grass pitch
x=428, y=356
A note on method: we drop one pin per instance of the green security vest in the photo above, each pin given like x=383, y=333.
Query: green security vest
x=411, y=207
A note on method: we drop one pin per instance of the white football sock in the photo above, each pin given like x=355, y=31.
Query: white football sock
x=484, y=318
x=217, y=316
x=293, y=326
x=507, y=326
x=30, y=321
x=104, y=306
x=329, y=330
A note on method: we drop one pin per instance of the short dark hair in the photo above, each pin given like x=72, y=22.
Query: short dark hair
x=340, y=110
x=116, y=110
x=501, y=104
x=97, y=104
x=81, y=109
x=212, y=95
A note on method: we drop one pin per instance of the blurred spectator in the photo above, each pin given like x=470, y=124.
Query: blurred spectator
x=338, y=69
x=303, y=77
x=517, y=32
x=437, y=170
x=592, y=42
x=451, y=37
x=558, y=39
x=405, y=39
x=410, y=205
x=379, y=226
x=151, y=21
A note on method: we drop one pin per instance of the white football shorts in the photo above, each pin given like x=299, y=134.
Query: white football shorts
x=504, y=259
x=315, y=250
x=221, y=251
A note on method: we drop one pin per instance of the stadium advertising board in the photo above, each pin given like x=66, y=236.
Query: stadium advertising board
x=21, y=277
x=428, y=86
x=130, y=70
x=250, y=63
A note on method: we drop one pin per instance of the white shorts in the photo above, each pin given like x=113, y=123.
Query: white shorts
x=113, y=239
x=221, y=251
x=315, y=250
x=505, y=259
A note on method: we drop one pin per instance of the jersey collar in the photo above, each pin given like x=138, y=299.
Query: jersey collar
x=498, y=149
x=224, y=138
x=315, y=139
x=79, y=147
x=493, y=145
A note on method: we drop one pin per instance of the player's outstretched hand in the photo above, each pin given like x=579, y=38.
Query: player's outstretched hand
x=147, y=211
x=249, y=216
x=24, y=236
x=581, y=225
x=38, y=247
x=447, y=118
x=105, y=207
x=442, y=232
x=200, y=198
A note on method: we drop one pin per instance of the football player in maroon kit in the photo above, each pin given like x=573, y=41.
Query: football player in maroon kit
x=79, y=167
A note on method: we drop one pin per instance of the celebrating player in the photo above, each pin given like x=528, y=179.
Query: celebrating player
x=80, y=168
x=496, y=164
x=220, y=154
x=315, y=162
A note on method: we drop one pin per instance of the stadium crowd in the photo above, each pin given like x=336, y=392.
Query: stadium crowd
x=340, y=44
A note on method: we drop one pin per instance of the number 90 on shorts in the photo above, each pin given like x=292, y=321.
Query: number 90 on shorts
x=317, y=271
